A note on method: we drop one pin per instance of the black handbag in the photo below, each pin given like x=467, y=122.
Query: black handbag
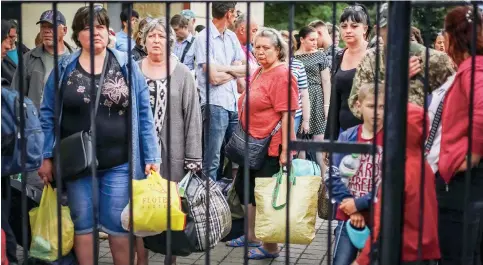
x=76, y=150
x=257, y=148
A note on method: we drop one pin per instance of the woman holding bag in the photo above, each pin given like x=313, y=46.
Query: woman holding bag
x=185, y=112
x=114, y=101
x=268, y=108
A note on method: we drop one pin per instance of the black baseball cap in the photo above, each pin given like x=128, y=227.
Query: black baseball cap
x=48, y=16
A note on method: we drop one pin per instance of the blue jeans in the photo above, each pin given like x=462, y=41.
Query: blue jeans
x=344, y=252
x=113, y=197
x=221, y=126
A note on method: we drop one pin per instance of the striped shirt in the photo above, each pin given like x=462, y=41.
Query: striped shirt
x=298, y=70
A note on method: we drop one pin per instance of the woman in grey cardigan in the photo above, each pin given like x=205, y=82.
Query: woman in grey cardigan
x=185, y=112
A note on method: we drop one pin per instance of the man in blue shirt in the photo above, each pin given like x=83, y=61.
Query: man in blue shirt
x=183, y=47
x=219, y=116
x=121, y=37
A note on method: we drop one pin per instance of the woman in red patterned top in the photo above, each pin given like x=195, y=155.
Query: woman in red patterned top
x=268, y=105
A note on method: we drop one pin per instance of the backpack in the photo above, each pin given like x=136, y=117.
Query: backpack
x=11, y=141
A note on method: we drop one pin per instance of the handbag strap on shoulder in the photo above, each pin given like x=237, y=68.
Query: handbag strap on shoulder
x=279, y=124
x=99, y=88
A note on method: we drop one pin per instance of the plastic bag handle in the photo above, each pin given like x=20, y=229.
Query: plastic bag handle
x=48, y=196
x=276, y=190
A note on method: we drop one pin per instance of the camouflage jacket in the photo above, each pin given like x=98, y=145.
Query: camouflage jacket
x=440, y=68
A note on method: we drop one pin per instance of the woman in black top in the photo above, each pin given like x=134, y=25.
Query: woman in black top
x=123, y=113
x=355, y=27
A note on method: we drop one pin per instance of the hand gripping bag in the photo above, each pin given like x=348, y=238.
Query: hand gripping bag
x=43, y=223
x=150, y=207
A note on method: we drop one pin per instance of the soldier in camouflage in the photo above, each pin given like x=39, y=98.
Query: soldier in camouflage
x=440, y=68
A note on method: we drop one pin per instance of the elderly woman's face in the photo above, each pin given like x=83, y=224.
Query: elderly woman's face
x=265, y=51
x=101, y=37
x=156, y=41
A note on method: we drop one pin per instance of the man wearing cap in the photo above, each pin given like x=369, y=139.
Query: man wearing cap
x=440, y=67
x=39, y=62
x=191, y=17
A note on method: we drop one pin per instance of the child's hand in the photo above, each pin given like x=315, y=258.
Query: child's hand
x=348, y=206
x=357, y=220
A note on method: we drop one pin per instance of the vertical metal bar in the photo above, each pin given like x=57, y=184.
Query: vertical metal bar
x=58, y=178
x=132, y=238
x=291, y=16
x=168, y=133
x=425, y=131
x=395, y=133
x=95, y=186
x=208, y=120
x=469, y=154
x=23, y=157
x=332, y=121
x=246, y=169
x=374, y=140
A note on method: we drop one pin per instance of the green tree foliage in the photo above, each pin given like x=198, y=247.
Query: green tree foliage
x=428, y=19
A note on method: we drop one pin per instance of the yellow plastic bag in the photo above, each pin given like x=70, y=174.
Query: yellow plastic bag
x=271, y=197
x=43, y=223
x=150, y=207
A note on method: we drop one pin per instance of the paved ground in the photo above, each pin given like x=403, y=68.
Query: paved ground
x=315, y=253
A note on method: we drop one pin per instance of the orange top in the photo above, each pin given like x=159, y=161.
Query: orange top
x=268, y=100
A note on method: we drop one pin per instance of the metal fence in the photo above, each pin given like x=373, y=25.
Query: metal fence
x=393, y=183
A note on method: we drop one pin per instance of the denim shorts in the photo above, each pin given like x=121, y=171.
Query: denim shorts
x=113, y=196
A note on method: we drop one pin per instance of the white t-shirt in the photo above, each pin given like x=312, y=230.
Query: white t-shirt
x=437, y=96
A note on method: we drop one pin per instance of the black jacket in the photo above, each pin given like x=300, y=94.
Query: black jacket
x=8, y=69
x=138, y=53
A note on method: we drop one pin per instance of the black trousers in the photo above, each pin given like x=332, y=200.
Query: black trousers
x=452, y=205
x=10, y=236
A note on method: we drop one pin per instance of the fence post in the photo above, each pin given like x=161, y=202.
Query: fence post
x=397, y=60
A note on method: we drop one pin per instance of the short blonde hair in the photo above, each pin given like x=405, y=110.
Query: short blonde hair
x=138, y=34
x=370, y=89
x=286, y=34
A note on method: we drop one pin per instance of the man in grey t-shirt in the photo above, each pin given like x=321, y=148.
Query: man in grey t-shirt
x=39, y=62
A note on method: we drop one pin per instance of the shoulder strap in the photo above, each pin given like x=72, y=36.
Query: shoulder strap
x=186, y=49
x=101, y=82
x=279, y=124
x=338, y=60
x=434, y=127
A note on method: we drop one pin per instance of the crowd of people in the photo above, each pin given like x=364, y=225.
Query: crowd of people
x=207, y=101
